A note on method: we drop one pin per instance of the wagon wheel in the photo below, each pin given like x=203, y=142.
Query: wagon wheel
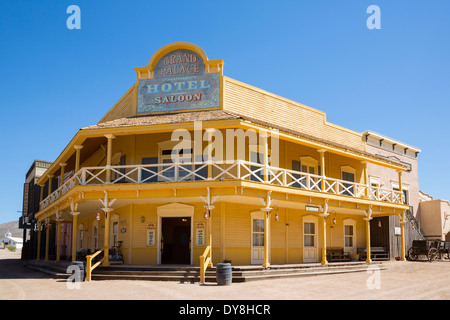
x=412, y=255
x=433, y=254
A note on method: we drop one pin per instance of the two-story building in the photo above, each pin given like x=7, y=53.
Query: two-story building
x=190, y=162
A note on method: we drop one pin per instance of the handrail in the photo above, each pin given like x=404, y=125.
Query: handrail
x=222, y=170
x=205, y=262
x=89, y=266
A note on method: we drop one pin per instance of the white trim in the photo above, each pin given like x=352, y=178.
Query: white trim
x=174, y=210
x=259, y=215
x=349, y=222
x=311, y=219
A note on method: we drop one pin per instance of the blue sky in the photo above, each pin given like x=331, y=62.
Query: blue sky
x=394, y=81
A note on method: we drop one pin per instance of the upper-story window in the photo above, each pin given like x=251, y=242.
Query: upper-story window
x=168, y=171
x=348, y=174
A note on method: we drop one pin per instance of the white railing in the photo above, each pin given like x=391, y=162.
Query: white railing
x=218, y=171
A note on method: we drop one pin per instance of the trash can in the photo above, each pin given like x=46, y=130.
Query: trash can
x=223, y=274
x=80, y=266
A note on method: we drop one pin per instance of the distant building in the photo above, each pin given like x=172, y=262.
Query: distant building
x=385, y=232
x=435, y=217
x=31, y=198
x=12, y=241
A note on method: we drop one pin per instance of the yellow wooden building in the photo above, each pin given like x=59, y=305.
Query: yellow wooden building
x=191, y=163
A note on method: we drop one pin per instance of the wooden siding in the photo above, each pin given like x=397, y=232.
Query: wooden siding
x=255, y=103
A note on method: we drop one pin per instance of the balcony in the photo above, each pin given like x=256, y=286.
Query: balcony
x=219, y=171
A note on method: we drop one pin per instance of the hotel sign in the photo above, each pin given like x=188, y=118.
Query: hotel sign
x=179, y=83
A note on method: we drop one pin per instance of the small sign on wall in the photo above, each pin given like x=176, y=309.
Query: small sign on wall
x=200, y=234
x=151, y=234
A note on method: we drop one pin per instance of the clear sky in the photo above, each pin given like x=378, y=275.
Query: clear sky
x=394, y=80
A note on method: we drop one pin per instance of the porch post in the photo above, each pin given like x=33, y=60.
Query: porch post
x=47, y=235
x=109, y=157
x=58, y=236
x=74, y=235
x=266, y=211
x=368, y=259
x=324, y=238
x=58, y=241
x=106, y=240
x=63, y=166
x=402, y=235
x=400, y=182
x=322, y=164
x=38, y=253
x=77, y=157
x=50, y=178
x=366, y=179
x=325, y=214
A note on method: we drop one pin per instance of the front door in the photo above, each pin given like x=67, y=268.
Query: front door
x=175, y=240
x=310, y=248
x=257, y=249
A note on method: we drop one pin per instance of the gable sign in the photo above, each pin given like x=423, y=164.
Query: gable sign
x=179, y=83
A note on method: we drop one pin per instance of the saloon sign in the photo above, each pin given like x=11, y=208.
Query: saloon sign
x=179, y=83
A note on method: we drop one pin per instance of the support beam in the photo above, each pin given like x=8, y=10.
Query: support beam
x=77, y=157
x=47, y=237
x=402, y=235
x=324, y=214
x=366, y=179
x=50, y=181
x=400, y=187
x=38, y=253
x=74, y=234
x=106, y=239
x=266, y=210
x=322, y=165
x=63, y=166
x=58, y=236
x=110, y=137
x=367, y=219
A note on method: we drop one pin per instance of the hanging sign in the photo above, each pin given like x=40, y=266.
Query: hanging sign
x=151, y=234
x=179, y=83
x=200, y=234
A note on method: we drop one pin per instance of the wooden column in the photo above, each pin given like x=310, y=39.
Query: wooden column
x=106, y=239
x=47, y=236
x=366, y=179
x=63, y=167
x=110, y=137
x=322, y=165
x=402, y=235
x=266, y=211
x=38, y=253
x=77, y=157
x=368, y=259
x=400, y=187
x=74, y=235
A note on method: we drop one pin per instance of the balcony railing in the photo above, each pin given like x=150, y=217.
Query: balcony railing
x=219, y=171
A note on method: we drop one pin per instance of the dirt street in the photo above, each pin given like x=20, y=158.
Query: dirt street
x=401, y=280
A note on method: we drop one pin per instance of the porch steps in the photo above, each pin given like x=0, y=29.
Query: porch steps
x=191, y=274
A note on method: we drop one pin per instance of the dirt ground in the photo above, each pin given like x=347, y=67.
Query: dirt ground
x=401, y=281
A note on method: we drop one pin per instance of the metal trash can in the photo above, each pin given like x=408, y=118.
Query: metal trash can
x=223, y=274
x=80, y=266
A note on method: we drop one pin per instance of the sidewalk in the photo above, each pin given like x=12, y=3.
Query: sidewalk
x=401, y=280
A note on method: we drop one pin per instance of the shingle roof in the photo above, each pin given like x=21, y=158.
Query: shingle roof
x=211, y=115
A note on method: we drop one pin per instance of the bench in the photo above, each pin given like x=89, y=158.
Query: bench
x=376, y=253
x=337, y=255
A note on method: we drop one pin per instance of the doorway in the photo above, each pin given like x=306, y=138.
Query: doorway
x=175, y=240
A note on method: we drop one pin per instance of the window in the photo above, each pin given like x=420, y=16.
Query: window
x=348, y=174
x=349, y=236
x=115, y=233
x=258, y=233
x=375, y=185
x=168, y=171
x=309, y=232
x=311, y=166
x=95, y=237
